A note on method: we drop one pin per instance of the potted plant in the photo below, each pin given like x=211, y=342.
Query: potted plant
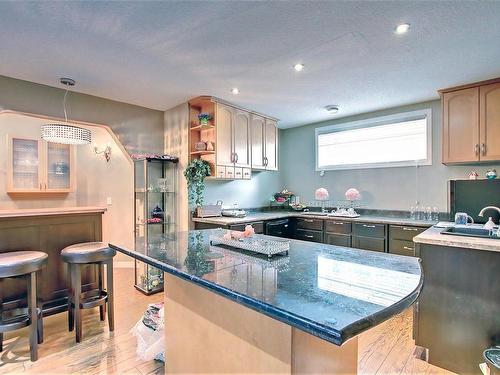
x=195, y=174
x=204, y=118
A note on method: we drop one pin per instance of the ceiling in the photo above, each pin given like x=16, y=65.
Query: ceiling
x=159, y=54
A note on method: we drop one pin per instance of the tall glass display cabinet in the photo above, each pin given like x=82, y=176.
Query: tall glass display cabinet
x=155, y=182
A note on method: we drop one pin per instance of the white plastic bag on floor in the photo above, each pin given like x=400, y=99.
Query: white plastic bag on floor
x=150, y=334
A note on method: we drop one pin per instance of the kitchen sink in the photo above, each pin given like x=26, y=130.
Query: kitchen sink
x=471, y=232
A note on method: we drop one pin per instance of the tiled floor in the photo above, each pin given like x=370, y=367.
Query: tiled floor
x=386, y=349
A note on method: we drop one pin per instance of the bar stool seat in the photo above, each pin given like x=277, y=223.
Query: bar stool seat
x=95, y=254
x=23, y=264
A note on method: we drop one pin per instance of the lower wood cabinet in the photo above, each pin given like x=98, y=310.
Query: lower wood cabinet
x=309, y=235
x=338, y=239
x=401, y=239
x=368, y=243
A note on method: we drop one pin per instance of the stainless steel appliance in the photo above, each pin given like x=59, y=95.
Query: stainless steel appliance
x=471, y=196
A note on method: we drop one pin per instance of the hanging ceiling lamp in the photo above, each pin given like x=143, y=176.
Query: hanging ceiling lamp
x=63, y=133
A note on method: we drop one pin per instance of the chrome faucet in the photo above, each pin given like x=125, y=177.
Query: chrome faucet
x=481, y=213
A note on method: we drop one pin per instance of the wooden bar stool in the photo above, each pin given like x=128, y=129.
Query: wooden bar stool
x=96, y=254
x=25, y=264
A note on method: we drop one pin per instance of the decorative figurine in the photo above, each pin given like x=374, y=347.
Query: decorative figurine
x=491, y=174
x=210, y=146
x=157, y=213
x=473, y=175
x=204, y=118
x=200, y=146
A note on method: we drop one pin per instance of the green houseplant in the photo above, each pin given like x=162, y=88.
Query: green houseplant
x=195, y=174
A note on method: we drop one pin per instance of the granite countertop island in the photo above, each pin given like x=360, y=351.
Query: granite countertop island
x=317, y=291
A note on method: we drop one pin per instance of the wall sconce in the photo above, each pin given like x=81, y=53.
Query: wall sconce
x=106, y=151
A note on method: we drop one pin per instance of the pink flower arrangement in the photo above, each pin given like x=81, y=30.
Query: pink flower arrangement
x=352, y=194
x=237, y=235
x=321, y=194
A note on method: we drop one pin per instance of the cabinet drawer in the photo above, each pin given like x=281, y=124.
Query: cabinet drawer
x=221, y=171
x=369, y=230
x=404, y=232
x=309, y=235
x=247, y=173
x=402, y=247
x=258, y=226
x=229, y=172
x=334, y=226
x=238, y=173
x=368, y=243
x=338, y=239
x=311, y=224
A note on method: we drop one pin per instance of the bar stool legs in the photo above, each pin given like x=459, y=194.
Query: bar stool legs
x=77, y=300
x=111, y=310
x=33, y=313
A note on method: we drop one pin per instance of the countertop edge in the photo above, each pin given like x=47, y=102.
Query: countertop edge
x=265, y=216
x=324, y=332
x=436, y=238
x=50, y=211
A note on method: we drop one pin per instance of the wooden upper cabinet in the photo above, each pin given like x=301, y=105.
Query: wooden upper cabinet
x=489, y=122
x=461, y=126
x=258, y=129
x=241, y=139
x=224, y=147
x=271, y=145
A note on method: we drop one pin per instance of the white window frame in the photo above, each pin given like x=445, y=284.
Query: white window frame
x=377, y=121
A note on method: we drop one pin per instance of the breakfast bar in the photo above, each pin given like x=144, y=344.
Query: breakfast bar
x=229, y=310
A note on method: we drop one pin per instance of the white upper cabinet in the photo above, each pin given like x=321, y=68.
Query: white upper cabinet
x=257, y=129
x=241, y=139
x=264, y=143
x=271, y=146
x=225, y=120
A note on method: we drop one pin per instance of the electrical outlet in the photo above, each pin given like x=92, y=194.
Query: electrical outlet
x=109, y=202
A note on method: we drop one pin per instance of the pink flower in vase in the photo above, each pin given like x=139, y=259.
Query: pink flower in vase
x=321, y=194
x=352, y=194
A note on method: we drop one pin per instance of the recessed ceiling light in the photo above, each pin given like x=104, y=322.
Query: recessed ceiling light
x=402, y=28
x=235, y=91
x=298, y=67
x=332, y=108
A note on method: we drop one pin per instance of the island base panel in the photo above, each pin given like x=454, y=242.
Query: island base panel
x=207, y=333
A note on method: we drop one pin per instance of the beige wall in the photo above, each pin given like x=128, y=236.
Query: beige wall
x=96, y=180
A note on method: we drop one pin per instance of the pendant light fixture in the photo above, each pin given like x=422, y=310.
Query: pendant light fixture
x=64, y=133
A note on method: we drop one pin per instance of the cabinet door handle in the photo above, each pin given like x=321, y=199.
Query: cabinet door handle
x=308, y=236
x=337, y=223
x=286, y=225
x=476, y=149
x=235, y=157
x=45, y=186
x=412, y=229
x=408, y=248
x=483, y=149
x=309, y=221
x=369, y=226
x=40, y=186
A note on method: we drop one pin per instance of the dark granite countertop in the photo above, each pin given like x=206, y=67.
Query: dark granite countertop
x=331, y=292
x=274, y=215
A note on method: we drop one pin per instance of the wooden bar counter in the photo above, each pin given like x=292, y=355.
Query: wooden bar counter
x=48, y=230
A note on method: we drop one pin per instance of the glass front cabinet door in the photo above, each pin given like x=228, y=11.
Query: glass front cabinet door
x=36, y=166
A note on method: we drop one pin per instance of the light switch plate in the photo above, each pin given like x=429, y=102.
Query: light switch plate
x=109, y=202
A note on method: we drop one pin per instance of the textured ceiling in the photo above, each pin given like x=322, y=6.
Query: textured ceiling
x=159, y=54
